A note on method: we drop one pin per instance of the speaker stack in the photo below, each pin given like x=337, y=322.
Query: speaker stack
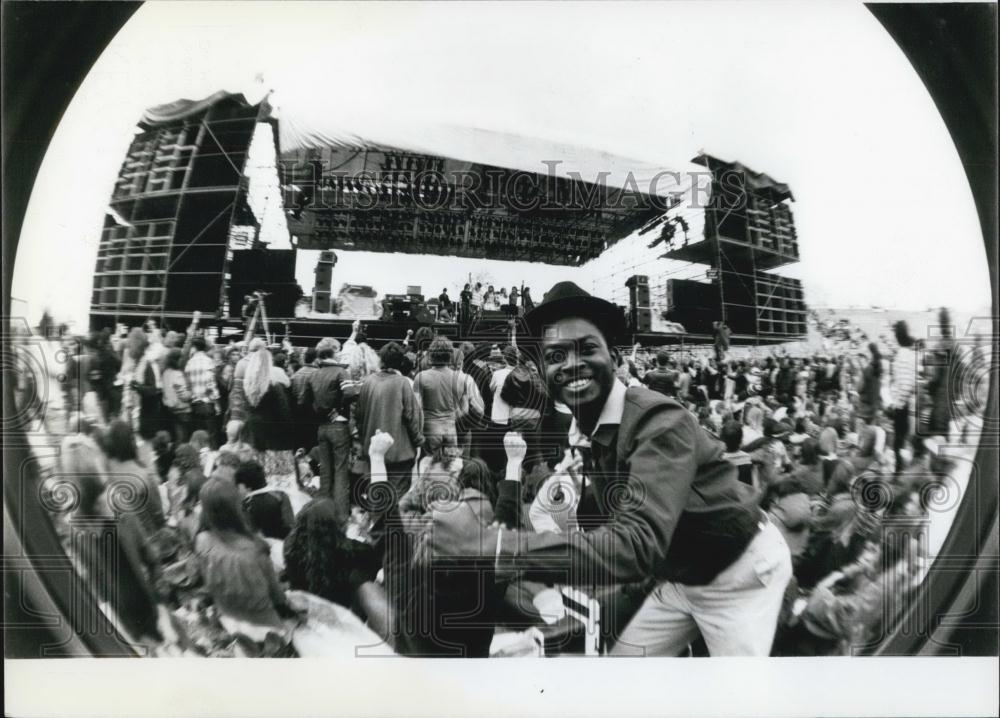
x=640, y=313
x=406, y=308
x=324, y=279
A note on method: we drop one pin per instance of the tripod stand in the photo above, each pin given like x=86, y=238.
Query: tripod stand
x=259, y=313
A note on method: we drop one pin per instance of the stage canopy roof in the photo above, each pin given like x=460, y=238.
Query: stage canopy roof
x=407, y=184
x=403, y=183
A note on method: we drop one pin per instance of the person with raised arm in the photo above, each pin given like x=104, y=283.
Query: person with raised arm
x=669, y=506
x=387, y=402
x=444, y=612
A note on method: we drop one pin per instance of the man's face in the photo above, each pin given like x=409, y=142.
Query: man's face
x=579, y=365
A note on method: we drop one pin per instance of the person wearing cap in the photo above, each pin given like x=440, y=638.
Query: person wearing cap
x=668, y=506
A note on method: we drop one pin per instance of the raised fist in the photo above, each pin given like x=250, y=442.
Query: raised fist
x=515, y=446
x=379, y=444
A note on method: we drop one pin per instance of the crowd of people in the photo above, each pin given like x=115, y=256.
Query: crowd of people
x=738, y=507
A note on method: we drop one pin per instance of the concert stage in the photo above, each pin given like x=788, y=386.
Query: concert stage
x=185, y=228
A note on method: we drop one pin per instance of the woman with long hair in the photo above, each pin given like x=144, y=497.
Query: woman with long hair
x=320, y=559
x=358, y=356
x=236, y=567
x=269, y=417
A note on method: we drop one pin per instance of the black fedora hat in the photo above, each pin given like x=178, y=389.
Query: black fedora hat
x=566, y=299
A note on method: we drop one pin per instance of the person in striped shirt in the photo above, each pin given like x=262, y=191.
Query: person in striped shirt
x=200, y=374
x=902, y=387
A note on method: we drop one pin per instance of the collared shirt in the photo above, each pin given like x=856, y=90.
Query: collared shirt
x=611, y=415
x=200, y=373
x=667, y=504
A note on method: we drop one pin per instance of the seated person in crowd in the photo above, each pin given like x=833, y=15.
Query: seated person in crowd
x=268, y=511
x=225, y=467
x=446, y=612
x=201, y=441
x=236, y=567
x=185, y=472
x=236, y=442
x=320, y=559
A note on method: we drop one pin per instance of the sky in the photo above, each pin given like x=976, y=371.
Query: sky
x=815, y=94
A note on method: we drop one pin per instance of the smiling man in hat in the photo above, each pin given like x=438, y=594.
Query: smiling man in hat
x=670, y=507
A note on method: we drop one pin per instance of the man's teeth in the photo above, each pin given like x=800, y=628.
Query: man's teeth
x=578, y=383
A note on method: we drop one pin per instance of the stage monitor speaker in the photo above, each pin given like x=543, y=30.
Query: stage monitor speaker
x=424, y=315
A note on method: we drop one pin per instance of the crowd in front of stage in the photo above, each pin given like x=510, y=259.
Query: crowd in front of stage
x=708, y=505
